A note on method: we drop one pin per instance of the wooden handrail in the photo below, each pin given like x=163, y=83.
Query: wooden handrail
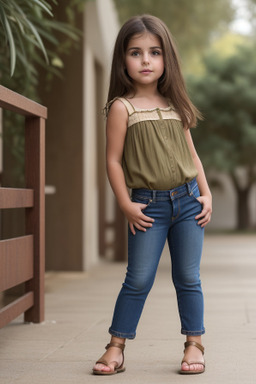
x=16, y=261
x=22, y=260
x=16, y=198
x=17, y=103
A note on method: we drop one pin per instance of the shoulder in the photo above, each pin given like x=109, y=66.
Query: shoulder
x=118, y=111
x=117, y=119
x=118, y=106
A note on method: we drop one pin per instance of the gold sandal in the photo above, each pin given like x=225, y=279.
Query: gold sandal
x=119, y=369
x=190, y=372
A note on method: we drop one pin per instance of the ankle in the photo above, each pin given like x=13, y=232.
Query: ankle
x=118, y=340
x=197, y=339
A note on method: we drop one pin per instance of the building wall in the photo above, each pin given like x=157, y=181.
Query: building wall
x=64, y=165
x=101, y=27
x=75, y=142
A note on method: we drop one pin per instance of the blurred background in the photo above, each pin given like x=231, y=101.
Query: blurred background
x=60, y=56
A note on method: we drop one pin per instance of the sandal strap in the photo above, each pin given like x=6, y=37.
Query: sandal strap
x=193, y=362
x=105, y=362
x=118, y=345
x=195, y=344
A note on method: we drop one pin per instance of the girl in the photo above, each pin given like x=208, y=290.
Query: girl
x=150, y=150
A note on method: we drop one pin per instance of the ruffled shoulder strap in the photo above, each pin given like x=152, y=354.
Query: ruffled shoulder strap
x=130, y=108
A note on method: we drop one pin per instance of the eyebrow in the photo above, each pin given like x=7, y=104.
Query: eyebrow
x=156, y=47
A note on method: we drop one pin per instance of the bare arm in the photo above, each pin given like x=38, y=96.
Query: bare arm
x=206, y=197
x=116, y=132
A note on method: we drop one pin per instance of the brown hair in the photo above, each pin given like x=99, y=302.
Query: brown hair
x=171, y=84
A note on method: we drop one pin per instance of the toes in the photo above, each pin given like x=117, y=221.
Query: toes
x=198, y=367
x=106, y=369
x=192, y=367
x=185, y=367
x=102, y=367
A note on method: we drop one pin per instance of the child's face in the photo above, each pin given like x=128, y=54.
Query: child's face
x=144, y=59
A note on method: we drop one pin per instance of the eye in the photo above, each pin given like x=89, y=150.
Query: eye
x=156, y=53
x=135, y=53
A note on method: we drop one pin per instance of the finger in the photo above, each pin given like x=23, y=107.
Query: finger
x=132, y=228
x=203, y=213
x=138, y=226
x=145, y=223
x=204, y=224
x=142, y=206
x=147, y=218
x=205, y=220
x=204, y=217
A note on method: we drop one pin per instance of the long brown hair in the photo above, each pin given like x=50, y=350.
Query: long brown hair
x=171, y=84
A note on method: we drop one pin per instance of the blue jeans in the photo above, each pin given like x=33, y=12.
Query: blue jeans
x=174, y=213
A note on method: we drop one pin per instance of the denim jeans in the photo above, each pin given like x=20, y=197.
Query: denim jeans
x=174, y=213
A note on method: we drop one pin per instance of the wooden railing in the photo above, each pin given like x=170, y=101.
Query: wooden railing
x=22, y=259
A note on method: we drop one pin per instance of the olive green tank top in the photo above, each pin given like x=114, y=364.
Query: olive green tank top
x=156, y=154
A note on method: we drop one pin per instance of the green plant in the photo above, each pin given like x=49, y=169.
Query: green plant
x=29, y=37
x=226, y=139
x=28, y=32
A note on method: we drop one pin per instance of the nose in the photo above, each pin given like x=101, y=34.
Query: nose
x=145, y=58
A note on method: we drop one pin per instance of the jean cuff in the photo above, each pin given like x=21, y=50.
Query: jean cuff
x=192, y=333
x=122, y=335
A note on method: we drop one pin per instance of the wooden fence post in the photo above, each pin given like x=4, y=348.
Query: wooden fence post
x=35, y=216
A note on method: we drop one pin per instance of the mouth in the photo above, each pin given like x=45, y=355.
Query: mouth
x=146, y=71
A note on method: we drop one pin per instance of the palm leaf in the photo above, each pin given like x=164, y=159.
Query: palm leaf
x=25, y=26
x=68, y=30
x=18, y=18
x=44, y=5
x=10, y=39
x=39, y=40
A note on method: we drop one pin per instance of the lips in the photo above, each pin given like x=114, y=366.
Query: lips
x=146, y=71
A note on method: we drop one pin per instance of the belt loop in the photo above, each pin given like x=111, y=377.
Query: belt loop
x=153, y=196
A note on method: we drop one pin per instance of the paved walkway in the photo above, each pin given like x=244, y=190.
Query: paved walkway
x=79, y=307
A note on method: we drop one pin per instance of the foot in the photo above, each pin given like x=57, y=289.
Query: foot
x=114, y=356
x=191, y=354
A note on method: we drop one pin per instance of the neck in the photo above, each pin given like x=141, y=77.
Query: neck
x=148, y=91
